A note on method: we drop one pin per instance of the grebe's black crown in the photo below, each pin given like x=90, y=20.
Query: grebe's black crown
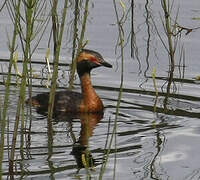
x=94, y=53
x=91, y=59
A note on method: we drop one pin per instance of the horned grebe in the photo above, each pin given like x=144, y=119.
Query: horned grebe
x=68, y=101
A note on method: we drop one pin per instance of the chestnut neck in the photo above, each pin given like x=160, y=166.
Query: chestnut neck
x=90, y=98
x=86, y=86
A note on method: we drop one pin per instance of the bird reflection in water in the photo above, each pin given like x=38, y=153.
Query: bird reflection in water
x=80, y=148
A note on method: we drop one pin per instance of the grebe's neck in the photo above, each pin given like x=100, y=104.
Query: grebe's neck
x=86, y=86
x=90, y=97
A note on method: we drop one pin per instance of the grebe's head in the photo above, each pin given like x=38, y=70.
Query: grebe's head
x=89, y=59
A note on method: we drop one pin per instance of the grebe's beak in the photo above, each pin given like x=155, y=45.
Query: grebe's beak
x=106, y=64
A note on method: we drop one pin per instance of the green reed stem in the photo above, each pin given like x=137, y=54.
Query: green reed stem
x=7, y=85
x=75, y=34
x=57, y=46
x=155, y=87
x=114, y=132
x=80, y=45
x=168, y=26
x=172, y=47
x=20, y=106
x=57, y=37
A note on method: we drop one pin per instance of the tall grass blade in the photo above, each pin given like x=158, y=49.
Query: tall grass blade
x=80, y=45
x=58, y=36
x=7, y=85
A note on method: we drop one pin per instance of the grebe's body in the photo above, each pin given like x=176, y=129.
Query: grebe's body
x=68, y=101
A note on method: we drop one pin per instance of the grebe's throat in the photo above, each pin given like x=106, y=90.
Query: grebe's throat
x=90, y=98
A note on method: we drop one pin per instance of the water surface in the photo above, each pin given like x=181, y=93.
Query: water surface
x=149, y=145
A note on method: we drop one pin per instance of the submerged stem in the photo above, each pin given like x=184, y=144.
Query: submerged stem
x=20, y=105
x=114, y=132
x=7, y=84
x=171, y=45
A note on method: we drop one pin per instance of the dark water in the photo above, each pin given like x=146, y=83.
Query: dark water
x=149, y=145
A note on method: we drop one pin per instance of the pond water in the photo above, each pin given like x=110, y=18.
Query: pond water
x=149, y=144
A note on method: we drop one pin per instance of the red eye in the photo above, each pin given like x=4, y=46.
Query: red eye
x=94, y=60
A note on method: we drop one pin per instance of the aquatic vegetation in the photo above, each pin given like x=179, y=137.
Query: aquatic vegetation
x=145, y=96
